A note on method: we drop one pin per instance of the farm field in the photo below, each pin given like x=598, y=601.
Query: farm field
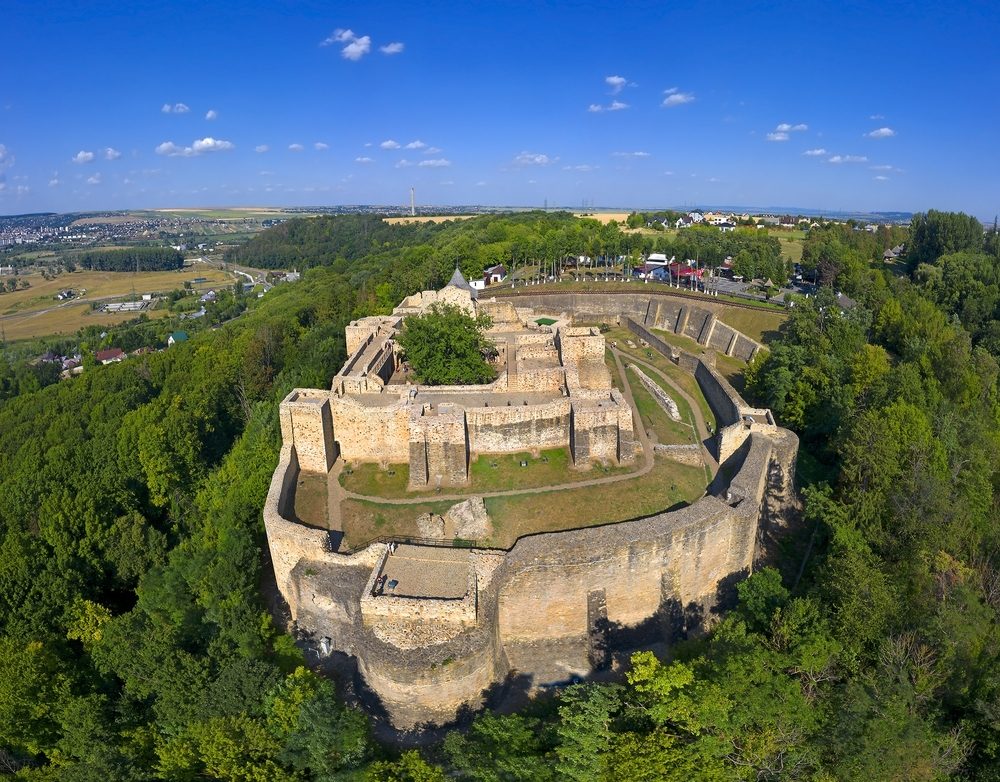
x=35, y=312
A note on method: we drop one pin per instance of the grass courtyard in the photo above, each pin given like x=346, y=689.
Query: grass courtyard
x=668, y=484
x=487, y=473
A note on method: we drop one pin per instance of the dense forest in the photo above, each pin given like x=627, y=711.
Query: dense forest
x=135, y=642
x=128, y=259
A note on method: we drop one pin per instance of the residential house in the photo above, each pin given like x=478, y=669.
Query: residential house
x=177, y=336
x=110, y=356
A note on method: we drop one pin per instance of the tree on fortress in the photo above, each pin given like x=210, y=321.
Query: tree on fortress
x=445, y=346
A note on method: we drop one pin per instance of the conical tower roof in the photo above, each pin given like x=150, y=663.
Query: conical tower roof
x=458, y=281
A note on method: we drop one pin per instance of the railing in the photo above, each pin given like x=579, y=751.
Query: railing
x=333, y=542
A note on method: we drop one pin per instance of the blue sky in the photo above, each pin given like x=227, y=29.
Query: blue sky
x=867, y=106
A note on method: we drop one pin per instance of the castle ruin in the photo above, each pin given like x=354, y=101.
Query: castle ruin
x=461, y=622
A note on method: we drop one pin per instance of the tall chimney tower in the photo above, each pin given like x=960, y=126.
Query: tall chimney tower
x=413, y=208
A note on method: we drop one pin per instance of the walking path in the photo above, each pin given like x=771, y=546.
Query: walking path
x=699, y=419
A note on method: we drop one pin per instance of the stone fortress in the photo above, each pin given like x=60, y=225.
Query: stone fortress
x=552, y=390
x=460, y=624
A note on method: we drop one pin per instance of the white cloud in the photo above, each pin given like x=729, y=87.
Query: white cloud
x=881, y=167
x=616, y=83
x=777, y=136
x=338, y=36
x=404, y=163
x=261, y=148
x=389, y=144
x=432, y=150
x=295, y=147
x=6, y=158
x=582, y=168
x=392, y=48
x=481, y=184
x=198, y=147
x=848, y=159
x=95, y=179
x=877, y=116
x=881, y=178
x=615, y=105
x=418, y=144
x=356, y=48
x=676, y=98
x=112, y=154
x=786, y=127
x=54, y=182
x=818, y=152
x=881, y=133
x=448, y=182
x=176, y=108
x=319, y=146
x=434, y=163
x=211, y=114
x=363, y=160
x=668, y=173
x=533, y=159
x=630, y=154
x=83, y=157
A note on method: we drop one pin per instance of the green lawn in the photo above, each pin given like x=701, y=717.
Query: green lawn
x=665, y=365
x=759, y=325
x=669, y=483
x=666, y=485
x=487, y=473
x=654, y=417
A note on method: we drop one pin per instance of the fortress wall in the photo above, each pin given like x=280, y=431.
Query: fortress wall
x=438, y=448
x=627, y=445
x=595, y=431
x=290, y=543
x=518, y=428
x=537, y=379
x=722, y=337
x=306, y=423
x=724, y=400
x=644, y=333
x=696, y=322
x=745, y=348
x=371, y=434
x=500, y=312
x=637, y=566
x=432, y=683
x=580, y=344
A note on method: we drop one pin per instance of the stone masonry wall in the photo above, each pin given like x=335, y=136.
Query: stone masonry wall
x=307, y=424
x=518, y=428
x=438, y=448
x=371, y=434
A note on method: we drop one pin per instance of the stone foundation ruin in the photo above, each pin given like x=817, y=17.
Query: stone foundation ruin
x=458, y=622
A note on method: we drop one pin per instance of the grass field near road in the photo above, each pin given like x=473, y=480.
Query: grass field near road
x=35, y=312
x=759, y=325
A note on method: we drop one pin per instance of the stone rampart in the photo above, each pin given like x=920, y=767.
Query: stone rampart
x=371, y=433
x=580, y=592
x=518, y=427
x=688, y=315
x=307, y=423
